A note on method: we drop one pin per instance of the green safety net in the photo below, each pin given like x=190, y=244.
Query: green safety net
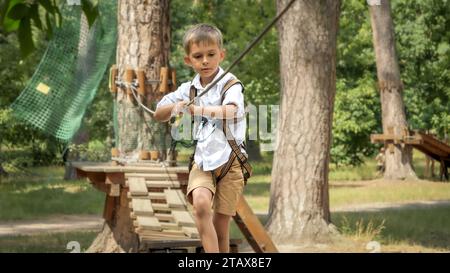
x=67, y=78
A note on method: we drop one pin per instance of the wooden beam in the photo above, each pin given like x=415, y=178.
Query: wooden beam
x=252, y=228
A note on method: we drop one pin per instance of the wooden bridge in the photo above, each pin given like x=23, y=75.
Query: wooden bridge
x=155, y=195
x=426, y=143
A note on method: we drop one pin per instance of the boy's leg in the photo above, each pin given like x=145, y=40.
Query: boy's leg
x=222, y=226
x=201, y=198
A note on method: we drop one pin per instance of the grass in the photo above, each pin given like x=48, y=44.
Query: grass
x=354, y=185
x=399, y=230
x=346, y=194
x=46, y=243
x=45, y=193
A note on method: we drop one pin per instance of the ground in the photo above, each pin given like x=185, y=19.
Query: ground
x=43, y=213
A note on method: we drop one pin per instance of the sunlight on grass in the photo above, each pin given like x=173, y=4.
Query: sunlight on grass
x=20, y=194
x=426, y=227
x=342, y=194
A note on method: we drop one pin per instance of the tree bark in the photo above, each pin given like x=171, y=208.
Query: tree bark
x=399, y=159
x=299, y=203
x=117, y=235
x=143, y=42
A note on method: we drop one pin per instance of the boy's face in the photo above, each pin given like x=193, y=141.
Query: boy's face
x=205, y=58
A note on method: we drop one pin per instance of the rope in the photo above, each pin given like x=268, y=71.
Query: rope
x=246, y=50
x=235, y=62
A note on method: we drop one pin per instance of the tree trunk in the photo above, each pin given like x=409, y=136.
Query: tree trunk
x=398, y=158
x=143, y=42
x=117, y=234
x=299, y=205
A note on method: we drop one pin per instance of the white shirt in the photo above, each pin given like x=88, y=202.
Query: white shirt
x=213, y=149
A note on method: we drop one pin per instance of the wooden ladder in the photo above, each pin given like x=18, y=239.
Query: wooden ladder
x=252, y=228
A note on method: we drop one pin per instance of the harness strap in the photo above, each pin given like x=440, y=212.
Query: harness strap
x=236, y=151
x=192, y=95
x=226, y=168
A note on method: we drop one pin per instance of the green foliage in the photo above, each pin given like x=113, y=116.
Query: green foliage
x=33, y=147
x=259, y=71
x=25, y=17
x=355, y=117
x=422, y=31
x=423, y=42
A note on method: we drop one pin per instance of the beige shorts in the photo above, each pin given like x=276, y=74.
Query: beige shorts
x=226, y=193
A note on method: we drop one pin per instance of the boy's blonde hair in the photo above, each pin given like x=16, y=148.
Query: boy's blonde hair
x=202, y=33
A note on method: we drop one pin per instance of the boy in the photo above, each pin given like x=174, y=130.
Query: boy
x=216, y=177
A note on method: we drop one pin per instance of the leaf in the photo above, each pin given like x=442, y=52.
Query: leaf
x=49, y=28
x=25, y=37
x=90, y=11
x=19, y=11
x=3, y=9
x=34, y=14
x=47, y=6
x=7, y=23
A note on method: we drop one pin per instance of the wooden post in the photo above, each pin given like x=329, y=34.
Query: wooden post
x=129, y=75
x=164, y=80
x=112, y=78
x=141, y=81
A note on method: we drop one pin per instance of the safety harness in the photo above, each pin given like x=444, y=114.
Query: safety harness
x=236, y=151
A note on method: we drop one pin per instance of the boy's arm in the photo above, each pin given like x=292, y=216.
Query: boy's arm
x=166, y=106
x=164, y=113
x=220, y=112
x=232, y=105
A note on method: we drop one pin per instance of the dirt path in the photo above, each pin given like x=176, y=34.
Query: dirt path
x=374, y=207
x=70, y=223
x=63, y=223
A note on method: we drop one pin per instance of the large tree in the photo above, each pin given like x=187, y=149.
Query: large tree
x=143, y=42
x=399, y=159
x=299, y=204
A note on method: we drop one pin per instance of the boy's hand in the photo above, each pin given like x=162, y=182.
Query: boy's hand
x=179, y=108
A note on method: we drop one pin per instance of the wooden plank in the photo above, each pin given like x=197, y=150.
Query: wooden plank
x=148, y=223
x=161, y=233
x=374, y=138
x=252, y=228
x=130, y=168
x=154, y=176
x=157, y=195
x=171, y=226
x=183, y=218
x=175, y=198
x=191, y=232
x=137, y=186
x=142, y=207
x=114, y=190
x=437, y=144
x=160, y=206
x=150, y=195
x=108, y=210
x=162, y=184
x=137, y=196
x=164, y=216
